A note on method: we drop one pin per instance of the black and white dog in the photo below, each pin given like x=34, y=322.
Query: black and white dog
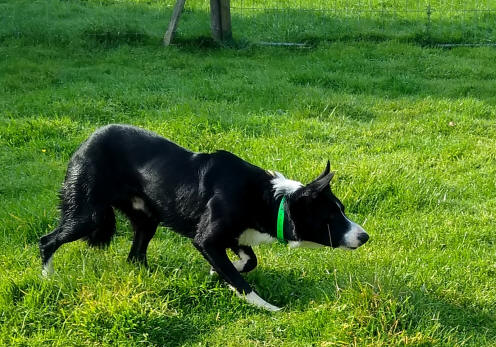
x=217, y=199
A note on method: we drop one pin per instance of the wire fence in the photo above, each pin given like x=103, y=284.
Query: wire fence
x=371, y=7
x=277, y=21
x=457, y=21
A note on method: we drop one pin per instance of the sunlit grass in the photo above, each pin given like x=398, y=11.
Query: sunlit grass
x=410, y=131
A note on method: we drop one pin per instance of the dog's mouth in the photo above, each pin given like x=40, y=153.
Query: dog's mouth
x=356, y=241
x=348, y=248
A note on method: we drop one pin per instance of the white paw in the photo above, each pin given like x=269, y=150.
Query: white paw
x=47, y=268
x=255, y=300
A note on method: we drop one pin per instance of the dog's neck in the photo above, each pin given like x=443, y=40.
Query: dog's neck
x=280, y=187
x=283, y=186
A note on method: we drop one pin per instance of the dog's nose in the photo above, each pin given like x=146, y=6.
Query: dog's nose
x=363, y=237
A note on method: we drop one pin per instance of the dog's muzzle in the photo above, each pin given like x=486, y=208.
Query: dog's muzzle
x=354, y=237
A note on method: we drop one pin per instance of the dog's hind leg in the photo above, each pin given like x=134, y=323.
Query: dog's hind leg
x=48, y=246
x=63, y=234
x=75, y=226
x=144, y=228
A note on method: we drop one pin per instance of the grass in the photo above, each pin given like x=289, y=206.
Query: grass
x=410, y=131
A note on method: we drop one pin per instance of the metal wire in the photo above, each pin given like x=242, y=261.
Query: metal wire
x=295, y=16
x=443, y=8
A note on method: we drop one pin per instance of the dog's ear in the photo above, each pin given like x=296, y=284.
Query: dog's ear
x=321, y=183
x=326, y=170
x=324, y=179
x=314, y=188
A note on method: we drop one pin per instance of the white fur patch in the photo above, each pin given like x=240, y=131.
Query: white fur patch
x=351, y=237
x=238, y=264
x=283, y=186
x=252, y=237
x=243, y=259
x=304, y=244
x=48, y=268
x=138, y=204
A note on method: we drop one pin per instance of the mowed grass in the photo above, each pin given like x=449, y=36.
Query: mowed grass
x=410, y=131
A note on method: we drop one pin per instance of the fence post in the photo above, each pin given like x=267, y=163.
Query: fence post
x=429, y=12
x=220, y=20
x=225, y=15
x=176, y=13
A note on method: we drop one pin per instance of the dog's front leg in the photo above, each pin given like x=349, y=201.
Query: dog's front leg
x=247, y=259
x=217, y=257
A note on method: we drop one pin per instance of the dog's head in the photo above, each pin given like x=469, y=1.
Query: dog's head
x=319, y=218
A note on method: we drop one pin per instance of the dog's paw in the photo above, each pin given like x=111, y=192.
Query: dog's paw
x=254, y=299
x=213, y=272
x=47, y=269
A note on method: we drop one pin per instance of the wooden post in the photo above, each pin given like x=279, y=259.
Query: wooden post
x=176, y=13
x=220, y=20
x=225, y=18
x=215, y=22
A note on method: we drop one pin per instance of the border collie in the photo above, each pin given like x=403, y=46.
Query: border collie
x=216, y=199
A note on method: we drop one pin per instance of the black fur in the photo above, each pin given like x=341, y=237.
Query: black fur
x=210, y=198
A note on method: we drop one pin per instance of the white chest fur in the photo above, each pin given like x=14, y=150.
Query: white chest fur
x=252, y=237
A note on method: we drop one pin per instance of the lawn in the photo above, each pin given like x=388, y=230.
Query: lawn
x=409, y=128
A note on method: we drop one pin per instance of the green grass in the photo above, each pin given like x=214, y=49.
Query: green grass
x=410, y=130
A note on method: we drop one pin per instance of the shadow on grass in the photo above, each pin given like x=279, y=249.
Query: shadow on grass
x=289, y=288
x=375, y=313
x=383, y=311
x=466, y=320
x=199, y=304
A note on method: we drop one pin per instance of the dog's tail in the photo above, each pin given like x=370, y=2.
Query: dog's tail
x=102, y=235
x=84, y=203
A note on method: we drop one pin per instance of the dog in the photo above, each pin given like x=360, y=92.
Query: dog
x=216, y=199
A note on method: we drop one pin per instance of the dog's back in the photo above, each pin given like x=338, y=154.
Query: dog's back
x=114, y=160
x=151, y=179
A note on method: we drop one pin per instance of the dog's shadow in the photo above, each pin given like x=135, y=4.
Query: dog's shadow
x=291, y=288
x=281, y=287
x=296, y=290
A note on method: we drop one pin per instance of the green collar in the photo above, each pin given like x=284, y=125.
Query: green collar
x=280, y=222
